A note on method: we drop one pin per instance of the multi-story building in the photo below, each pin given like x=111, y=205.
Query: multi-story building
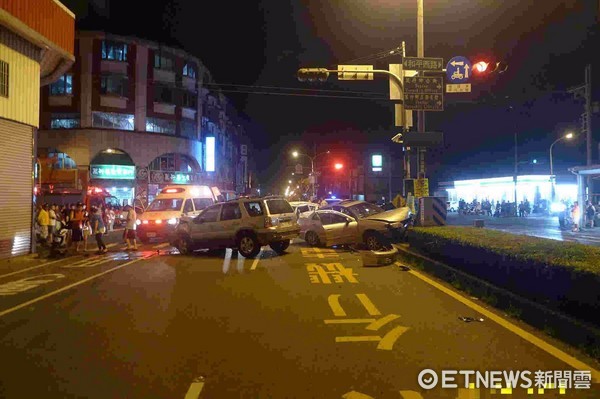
x=36, y=47
x=132, y=116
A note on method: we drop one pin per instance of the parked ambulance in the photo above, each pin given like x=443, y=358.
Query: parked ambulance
x=162, y=215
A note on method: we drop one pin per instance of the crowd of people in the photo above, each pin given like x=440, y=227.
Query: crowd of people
x=77, y=223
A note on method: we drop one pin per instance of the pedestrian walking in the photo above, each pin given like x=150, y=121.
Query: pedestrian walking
x=130, y=227
x=98, y=228
x=575, y=213
x=76, y=220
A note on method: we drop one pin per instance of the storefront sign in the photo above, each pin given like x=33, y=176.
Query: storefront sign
x=119, y=172
x=173, y=177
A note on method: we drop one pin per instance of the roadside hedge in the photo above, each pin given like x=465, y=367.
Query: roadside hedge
x=562, y=275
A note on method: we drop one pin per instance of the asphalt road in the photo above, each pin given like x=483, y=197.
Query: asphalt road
x=151, y=324
x=533, y=225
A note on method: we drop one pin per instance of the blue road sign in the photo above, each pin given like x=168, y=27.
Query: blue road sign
x=458, y=69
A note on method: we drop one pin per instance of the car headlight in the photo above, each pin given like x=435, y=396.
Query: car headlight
x=138, y=222
x=172, y=221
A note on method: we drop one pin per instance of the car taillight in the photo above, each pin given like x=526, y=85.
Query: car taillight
x=158, y=221
x=144, y=221
x=268, y=222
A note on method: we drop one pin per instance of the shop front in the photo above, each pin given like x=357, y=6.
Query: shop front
x=114, y=171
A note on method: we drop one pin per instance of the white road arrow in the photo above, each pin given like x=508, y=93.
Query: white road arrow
x=455, y=63
x=467, y=71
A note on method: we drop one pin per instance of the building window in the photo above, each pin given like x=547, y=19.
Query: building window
x=61, y=160
x=114, y=84
x=115, y=51
x=163, y=94
x=64, y=85
x=112, y=120
x=158, y=125
x=3, y=79
x=188, y=129
x=172, y=163
x=189, y=70
x=163, y=62
x=190, y=100
x=64, y=121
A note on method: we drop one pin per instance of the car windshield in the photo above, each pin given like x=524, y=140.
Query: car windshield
x=365, y=209
x=166, y=204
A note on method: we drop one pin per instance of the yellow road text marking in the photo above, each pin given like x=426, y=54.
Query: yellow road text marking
x=334, y=304
x=388, y=340
x=194, y=390
x=358, y=338
x=373, y=311
x=348, y=321
x=31, y=268
x=377, y=324
x=255, y=263
x=540, y=343
x=410, y=395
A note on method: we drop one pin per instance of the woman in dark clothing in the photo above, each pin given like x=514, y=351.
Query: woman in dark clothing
x=98, y=228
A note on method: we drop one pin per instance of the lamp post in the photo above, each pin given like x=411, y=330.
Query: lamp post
x=296, y=154
x=552, y=177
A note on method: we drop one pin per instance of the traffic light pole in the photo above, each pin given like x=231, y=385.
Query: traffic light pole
x=420, y=114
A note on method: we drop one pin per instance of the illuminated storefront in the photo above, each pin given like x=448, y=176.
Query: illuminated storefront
x=113, y=170
x=533, y=188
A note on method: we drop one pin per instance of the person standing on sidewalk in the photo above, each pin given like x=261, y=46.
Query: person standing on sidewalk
x=43, y=220
x=590, y=214
x=130, y=227
x=98, y=228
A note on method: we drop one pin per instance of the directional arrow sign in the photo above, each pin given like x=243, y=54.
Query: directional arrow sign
x=458, y=69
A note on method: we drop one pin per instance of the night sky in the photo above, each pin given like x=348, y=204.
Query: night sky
x=257, y=47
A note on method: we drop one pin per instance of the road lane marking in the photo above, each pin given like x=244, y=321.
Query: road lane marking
x=28, y=283
x=376, y=325
x=33, y=267
x=358, y=338
x=111, y=245
x=227, y=260
x=334, y=304
x=371, y=309
x=164, y=244
x=540, y=343
x=388, y=340
x=255, y=263
x=194, y=390
x=410, y=395
x=240, y=262
x=349, y=321
x=356, y=395
x=68, y=287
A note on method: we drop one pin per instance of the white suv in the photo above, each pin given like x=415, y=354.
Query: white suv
x=245, y=224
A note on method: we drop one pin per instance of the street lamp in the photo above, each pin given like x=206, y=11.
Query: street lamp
x=296, y=154
x=552, y=177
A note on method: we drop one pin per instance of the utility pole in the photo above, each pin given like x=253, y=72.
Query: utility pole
x=421, y=114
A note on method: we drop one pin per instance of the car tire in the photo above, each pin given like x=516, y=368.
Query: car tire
x=184, y=245
x=280, y=246
x=373, y=241
x=312, y=239
x=248, y=245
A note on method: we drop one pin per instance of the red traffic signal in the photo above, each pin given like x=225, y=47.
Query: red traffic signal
x=480, y=67
x=338, y=166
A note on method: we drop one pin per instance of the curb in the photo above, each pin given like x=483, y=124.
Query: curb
x=557, y=325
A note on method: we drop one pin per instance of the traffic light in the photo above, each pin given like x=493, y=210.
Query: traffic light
x=484, y=68
x=312, y=74
x=338, y=166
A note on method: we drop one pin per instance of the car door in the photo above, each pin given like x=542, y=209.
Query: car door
x=188, y=208
x=205, y=228
x=344, y=228
x=329, y=229
x=230, y=222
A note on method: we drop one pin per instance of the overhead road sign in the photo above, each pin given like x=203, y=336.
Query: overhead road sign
x=458, y=69
x=423, y=64
x=423, y=139
x=424, y=93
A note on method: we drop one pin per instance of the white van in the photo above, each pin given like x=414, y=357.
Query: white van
x=173, y=202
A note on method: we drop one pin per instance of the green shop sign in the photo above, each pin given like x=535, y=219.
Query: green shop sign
x=119, y=172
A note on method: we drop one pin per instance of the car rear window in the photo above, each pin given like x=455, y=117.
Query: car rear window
x=277, y=206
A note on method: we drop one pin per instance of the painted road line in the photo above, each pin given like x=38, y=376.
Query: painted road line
x=358, y=338
x=227, y=260
x=334, y=304
x=163, y=245
x=349, y=321
x=410, y=395
x=388, y=340
x=364, y=299
x=356, y=395
x=68, y=287
x=376, y=325
x=111, y=245
x=194, y=390
x=540, y=343
x=91, y=263
x=34, y=267
x=255, y=263
x=240, y=262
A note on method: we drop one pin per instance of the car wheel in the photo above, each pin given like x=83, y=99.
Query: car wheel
x=248, y=245
x=373, y=241
x=280, y=246
x=184, y=245
x=312, y=239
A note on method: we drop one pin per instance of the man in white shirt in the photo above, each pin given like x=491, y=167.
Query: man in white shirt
x=130, y=227
x=52, y=225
